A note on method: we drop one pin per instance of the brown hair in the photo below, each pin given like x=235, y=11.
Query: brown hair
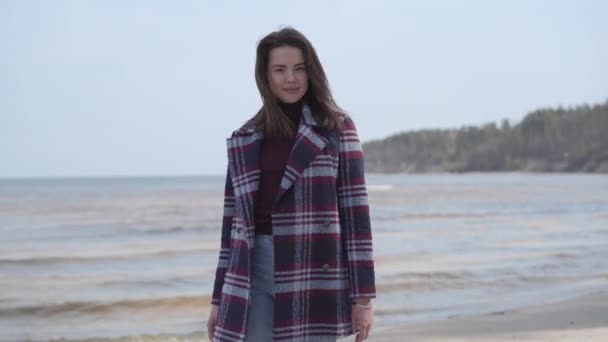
x=318, y=96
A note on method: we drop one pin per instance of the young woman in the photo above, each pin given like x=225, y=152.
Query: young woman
x=295, y=262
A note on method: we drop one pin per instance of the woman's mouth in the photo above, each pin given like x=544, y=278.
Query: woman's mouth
x=291, y=90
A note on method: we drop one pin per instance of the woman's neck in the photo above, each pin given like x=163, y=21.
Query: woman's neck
x=292, y=110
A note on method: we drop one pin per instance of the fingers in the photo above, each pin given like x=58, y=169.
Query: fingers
x=364, y=329
x=358, y=337
x=210, y=329
x=362, y=323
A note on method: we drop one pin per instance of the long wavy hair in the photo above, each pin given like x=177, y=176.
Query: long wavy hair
x=318, y=96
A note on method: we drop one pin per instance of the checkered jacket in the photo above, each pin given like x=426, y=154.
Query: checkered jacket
x=321, y=233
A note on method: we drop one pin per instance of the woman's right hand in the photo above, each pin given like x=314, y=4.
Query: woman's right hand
x=212, y=321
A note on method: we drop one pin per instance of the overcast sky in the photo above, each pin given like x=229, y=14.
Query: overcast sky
x=95, y=88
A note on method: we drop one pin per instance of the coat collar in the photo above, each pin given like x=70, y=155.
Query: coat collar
x=244, y=149
x=307, y=118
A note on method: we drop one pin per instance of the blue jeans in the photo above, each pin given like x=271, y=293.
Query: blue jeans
x=261, y=311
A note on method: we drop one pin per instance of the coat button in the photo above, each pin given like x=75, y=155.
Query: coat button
x=325, y=266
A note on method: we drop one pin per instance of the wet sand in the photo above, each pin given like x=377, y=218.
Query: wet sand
x=581, y=319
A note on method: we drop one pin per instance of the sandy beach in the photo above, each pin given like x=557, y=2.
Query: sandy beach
x=581, y=319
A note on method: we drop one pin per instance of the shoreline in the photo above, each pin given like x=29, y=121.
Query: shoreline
x=584, y=318
x=581, y=318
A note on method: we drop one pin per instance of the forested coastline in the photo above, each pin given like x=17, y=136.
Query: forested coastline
x=573, y=139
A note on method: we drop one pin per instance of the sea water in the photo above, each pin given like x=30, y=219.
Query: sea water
x=109, y=257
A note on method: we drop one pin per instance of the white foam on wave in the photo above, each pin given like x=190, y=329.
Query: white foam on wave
x=379, y=187
x=105, y=249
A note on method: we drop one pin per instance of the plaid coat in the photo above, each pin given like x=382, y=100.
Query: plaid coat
x=321, y=233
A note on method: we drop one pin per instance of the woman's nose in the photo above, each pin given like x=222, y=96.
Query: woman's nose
x=290, y=76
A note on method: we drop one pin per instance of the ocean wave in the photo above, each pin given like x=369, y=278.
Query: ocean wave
x=433, y=275
x=190, y=302
x=54, y=253
x=208, y=225
x=500, y=278
x=379, y=187
x=191, y=337
x=53, y=259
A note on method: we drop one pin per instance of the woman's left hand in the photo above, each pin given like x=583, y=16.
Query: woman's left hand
x=362, y=319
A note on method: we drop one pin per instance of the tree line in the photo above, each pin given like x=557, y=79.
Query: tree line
x=573, y=139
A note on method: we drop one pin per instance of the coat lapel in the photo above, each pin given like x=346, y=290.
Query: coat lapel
x=307, y=145
x=244, y=149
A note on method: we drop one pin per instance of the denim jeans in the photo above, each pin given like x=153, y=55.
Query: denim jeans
x=261, y=310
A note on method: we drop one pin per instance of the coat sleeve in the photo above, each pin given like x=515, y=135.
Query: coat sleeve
x=354, y=213
x=224, y=253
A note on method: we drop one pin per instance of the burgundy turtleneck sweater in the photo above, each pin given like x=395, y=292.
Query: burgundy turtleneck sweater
x=273, y=159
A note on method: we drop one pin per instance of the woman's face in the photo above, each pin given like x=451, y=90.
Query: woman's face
x=287, y=74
